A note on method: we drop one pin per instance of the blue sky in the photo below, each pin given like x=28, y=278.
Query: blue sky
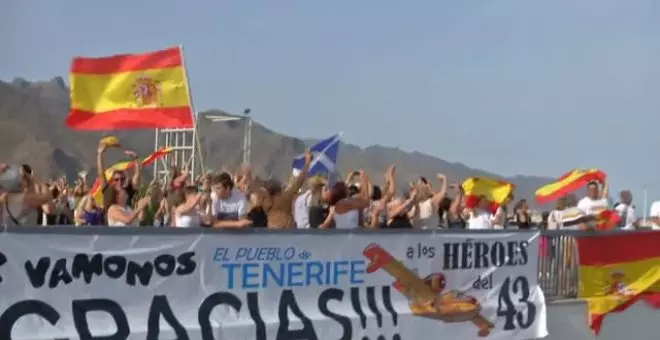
x=515, y=87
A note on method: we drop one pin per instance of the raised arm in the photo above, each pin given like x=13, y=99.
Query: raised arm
x=455, y=209
x=438, y=196
x=361, y=201
x=180, y=180
x=137, y=174
x=404, y=206
x=299, y=180
x=117, y=214
x=100, y=167
x=606, y=189
x=188, y=205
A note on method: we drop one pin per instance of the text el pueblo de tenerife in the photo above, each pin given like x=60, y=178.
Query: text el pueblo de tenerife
x=247, y=273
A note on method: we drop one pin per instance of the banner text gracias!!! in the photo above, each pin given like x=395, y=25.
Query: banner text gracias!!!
x=185, y=286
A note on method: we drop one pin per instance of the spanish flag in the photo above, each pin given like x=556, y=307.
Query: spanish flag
x=495, y=191
x=616, y=271
x=96, y=190
x=130, y=92
x=568, y=183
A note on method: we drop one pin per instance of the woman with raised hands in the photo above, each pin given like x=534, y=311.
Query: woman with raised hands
x=401, y=211
x=377, y=210
x=344, y=210
x=429, y=203
x=278, y=201
x=187, y=211
x=119, y=212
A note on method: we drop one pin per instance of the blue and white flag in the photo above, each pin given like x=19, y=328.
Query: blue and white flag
x=325, y=157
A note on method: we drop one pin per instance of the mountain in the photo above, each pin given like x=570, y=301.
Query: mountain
x=32, y=128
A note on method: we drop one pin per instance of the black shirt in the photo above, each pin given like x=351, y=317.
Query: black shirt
x=317, y=215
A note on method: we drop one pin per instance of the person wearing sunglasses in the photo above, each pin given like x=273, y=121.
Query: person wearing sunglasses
x=118, y=179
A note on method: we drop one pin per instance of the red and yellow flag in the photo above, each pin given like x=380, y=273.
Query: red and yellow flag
x=568, y=183
x=607, y=219
x=618, y=270
x=96, y=190
x=130, y=92
x=495, y=191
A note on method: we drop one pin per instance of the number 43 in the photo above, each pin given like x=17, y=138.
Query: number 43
x=514, y=318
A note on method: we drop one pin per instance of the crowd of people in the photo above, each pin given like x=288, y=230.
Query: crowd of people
x=224, y=200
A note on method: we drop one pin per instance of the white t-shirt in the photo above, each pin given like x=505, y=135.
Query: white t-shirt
x=497, y=215
x=655, y=212
x=593, y=207
x=480, y=219
x=187, y=220
x=230, y=209
x=428, y=215
x=301, y=209
x=629, y=212
x=127, y=210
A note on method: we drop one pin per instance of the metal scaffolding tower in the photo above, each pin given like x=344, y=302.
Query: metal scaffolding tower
x=187, y=152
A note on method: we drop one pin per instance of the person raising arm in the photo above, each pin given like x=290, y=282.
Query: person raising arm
x=379, y=207
x=278, y=202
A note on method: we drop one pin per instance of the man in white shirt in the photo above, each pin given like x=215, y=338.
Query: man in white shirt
x=480, y=217
x=596, y=200
x=655, y=215
x=228, y=206
x=626, y=210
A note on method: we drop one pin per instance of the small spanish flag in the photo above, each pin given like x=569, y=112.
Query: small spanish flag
x=607, y=219
x=130, y=92
x=570, y=182
x=495, y=191
x=616, y=271
x=96, y=190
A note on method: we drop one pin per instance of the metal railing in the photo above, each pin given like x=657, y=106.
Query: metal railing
x=558, y=252
x=558, y=266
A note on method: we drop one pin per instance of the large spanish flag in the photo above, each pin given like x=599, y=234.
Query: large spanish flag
x=96, y=190
x=618, y=270
x=130, y=92
x=569, y=182
x=495, y=191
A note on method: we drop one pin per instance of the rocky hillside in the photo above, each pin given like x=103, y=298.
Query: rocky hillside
x=32, y=131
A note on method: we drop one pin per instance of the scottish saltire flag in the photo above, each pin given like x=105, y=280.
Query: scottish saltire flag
x=325, y=157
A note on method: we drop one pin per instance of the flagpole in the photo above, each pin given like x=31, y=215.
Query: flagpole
x=196, y=141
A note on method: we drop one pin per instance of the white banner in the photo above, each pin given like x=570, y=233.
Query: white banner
x=270, y=286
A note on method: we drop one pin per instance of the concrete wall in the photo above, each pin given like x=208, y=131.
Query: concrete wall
x=567, y=320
